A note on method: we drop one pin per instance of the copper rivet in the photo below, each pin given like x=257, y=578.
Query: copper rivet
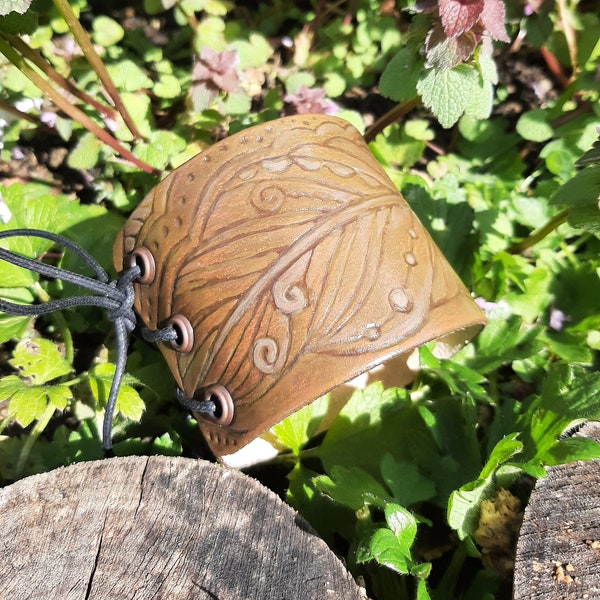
x=184, y=341
x=142, y=257
x=223, y=404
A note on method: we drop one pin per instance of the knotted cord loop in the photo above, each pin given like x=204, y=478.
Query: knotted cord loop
x=203, y=407
x=115, y=296
x=166, y=334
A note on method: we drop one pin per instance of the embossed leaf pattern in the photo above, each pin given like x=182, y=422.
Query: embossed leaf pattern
x=296, y=261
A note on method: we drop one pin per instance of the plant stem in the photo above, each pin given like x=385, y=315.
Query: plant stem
x=39, y=61
x=37, y=430
x=539, y=234
x=83, y=39
x=390, y=117
x=9, y=108
x=72, y=111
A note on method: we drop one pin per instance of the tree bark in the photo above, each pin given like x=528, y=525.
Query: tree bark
x=558, y=552
x=159, y=527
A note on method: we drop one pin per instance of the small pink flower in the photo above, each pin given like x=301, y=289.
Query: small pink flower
x=557, y=319
x=310, y=101
x=218, y=69
x=48, y=118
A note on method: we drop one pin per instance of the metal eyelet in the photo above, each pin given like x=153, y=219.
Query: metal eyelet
x=142, y=257
x=224, y=408
x=184, y=341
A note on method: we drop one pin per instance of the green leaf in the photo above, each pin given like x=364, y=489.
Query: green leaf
x=581, y=190
x=482, y=101
x=407, y=484
x=352, y=488
x=506, y=448
x=12, y=328
x=86, y=152
x=27, y=403
x=403, y=525
x=358, y=427
x=238, y=103
x=167, y=86
x=59, y=395
x=571, y=450
x=449, y=93
x=128, y=76
x=129, y=403
x=20, y=6
x=384, y=548
x=161, y=146
x=534, y=126
x=106, y=32
x=252, y=53
x=585, y=217
x=15, y=24
x=39, y=360
x=464, y=503
x=569, y=394
x=503, y=340
x=297, y=429
x=400, y=77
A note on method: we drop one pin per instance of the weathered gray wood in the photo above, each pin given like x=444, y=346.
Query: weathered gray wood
x=558, y=552
x=158, y=527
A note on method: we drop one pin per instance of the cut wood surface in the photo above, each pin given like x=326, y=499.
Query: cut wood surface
x=159, y=527
x=558, y=552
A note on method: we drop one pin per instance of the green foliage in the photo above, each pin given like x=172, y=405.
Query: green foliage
x=395, y=480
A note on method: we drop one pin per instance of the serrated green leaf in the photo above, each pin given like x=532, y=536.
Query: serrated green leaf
x=448, y=93
x=480, y=106
x=581, y=190
x=159, y=149
x=487, y=67
x=464, y=503
x=569, y=394
x=407, y=484
x=585, y=217
x=403, y=525
x=39, y=360
x=357, y=426
x=297, y=429
x=386, y=551
x=503, y=340
x=59, y=395
x=129, y=403
x=18, y=24
x=20, y=6
x=27, y=403
x=352, y=488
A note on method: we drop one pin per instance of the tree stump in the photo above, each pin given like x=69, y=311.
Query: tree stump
x=558, y=552
x=159, y=527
